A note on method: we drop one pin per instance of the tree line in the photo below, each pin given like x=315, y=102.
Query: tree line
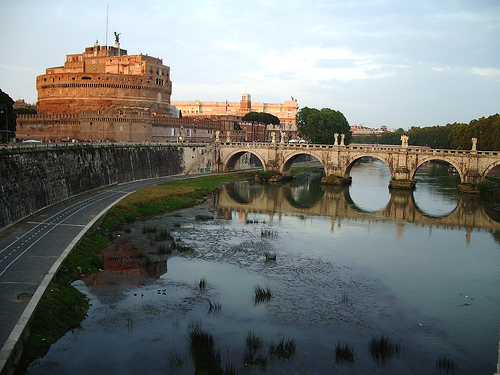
x=456, y=136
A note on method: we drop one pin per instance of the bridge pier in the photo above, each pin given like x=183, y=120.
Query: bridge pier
x=401, y=185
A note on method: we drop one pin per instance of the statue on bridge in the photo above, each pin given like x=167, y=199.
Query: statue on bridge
x=474, y=144
x=282, y=135
x=404, y=141
x=217, y=139
x=274, y=137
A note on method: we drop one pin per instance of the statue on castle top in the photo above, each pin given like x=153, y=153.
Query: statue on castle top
x=117, y=37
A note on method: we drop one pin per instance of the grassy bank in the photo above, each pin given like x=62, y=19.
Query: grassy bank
x=166, y=197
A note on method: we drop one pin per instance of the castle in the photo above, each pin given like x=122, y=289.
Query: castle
x=105, y=78
x=104, y=94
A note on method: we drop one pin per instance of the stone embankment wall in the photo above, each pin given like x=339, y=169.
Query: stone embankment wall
x=34, y=178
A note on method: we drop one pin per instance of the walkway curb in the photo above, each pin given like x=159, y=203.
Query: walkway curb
x=13, y=347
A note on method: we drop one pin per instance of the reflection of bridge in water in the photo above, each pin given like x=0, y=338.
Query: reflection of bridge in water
x=337, y=204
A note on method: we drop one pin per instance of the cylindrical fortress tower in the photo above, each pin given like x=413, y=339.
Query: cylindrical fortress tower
x=105, y=78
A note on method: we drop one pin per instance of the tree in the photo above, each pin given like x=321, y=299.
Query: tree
x=389, y=138
x=7, y=117
x=25, y=111
x=320, y=126
x=262, y=117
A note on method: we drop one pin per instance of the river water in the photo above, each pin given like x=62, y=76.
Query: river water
x=418, y=273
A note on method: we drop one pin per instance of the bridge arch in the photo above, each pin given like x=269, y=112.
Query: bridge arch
x=289, y=160
x=489, y=168
x=229, y=164
x=351, y=164
x=432, y=158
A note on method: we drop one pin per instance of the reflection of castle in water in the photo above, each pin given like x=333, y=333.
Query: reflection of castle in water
x=337, y=204
x=126, y=264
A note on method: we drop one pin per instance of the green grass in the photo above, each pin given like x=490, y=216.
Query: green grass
x=298, y=170
x=167, y=197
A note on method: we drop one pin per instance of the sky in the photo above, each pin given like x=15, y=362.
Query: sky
x=398, y=63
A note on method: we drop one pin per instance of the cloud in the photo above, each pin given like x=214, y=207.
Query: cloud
x=487, y=72
x=314, y=65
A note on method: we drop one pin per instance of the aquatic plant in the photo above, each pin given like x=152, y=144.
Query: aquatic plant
x=283, y=350
x=163, y=235
x=253, y=345
x=207, y=360
x=148, y=229
x=345, y=297
x=250, y=221
x=214, y=307
x=180, y=248
x=382, y=349
x=446, y=365
x=203, y=217
x=268, y=233
x=162, y=249
x=270, y=256
x=261, y=294
x=344, y=353
x=253, y=342
x=250, y=360
x=175, y=362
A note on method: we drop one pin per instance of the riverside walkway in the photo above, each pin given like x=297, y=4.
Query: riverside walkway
x=31, y=253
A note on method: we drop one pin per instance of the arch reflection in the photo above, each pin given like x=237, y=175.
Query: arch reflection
x=436, y=193
x=336, y=203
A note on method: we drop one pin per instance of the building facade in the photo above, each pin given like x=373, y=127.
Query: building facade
x=286, y=111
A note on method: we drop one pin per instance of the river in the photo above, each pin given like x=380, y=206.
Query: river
x=364, y=281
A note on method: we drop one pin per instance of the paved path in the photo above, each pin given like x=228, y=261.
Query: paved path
x=31, y=249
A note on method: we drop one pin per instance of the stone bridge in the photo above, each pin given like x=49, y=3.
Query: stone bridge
x=337, y=204
x=338, y=159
